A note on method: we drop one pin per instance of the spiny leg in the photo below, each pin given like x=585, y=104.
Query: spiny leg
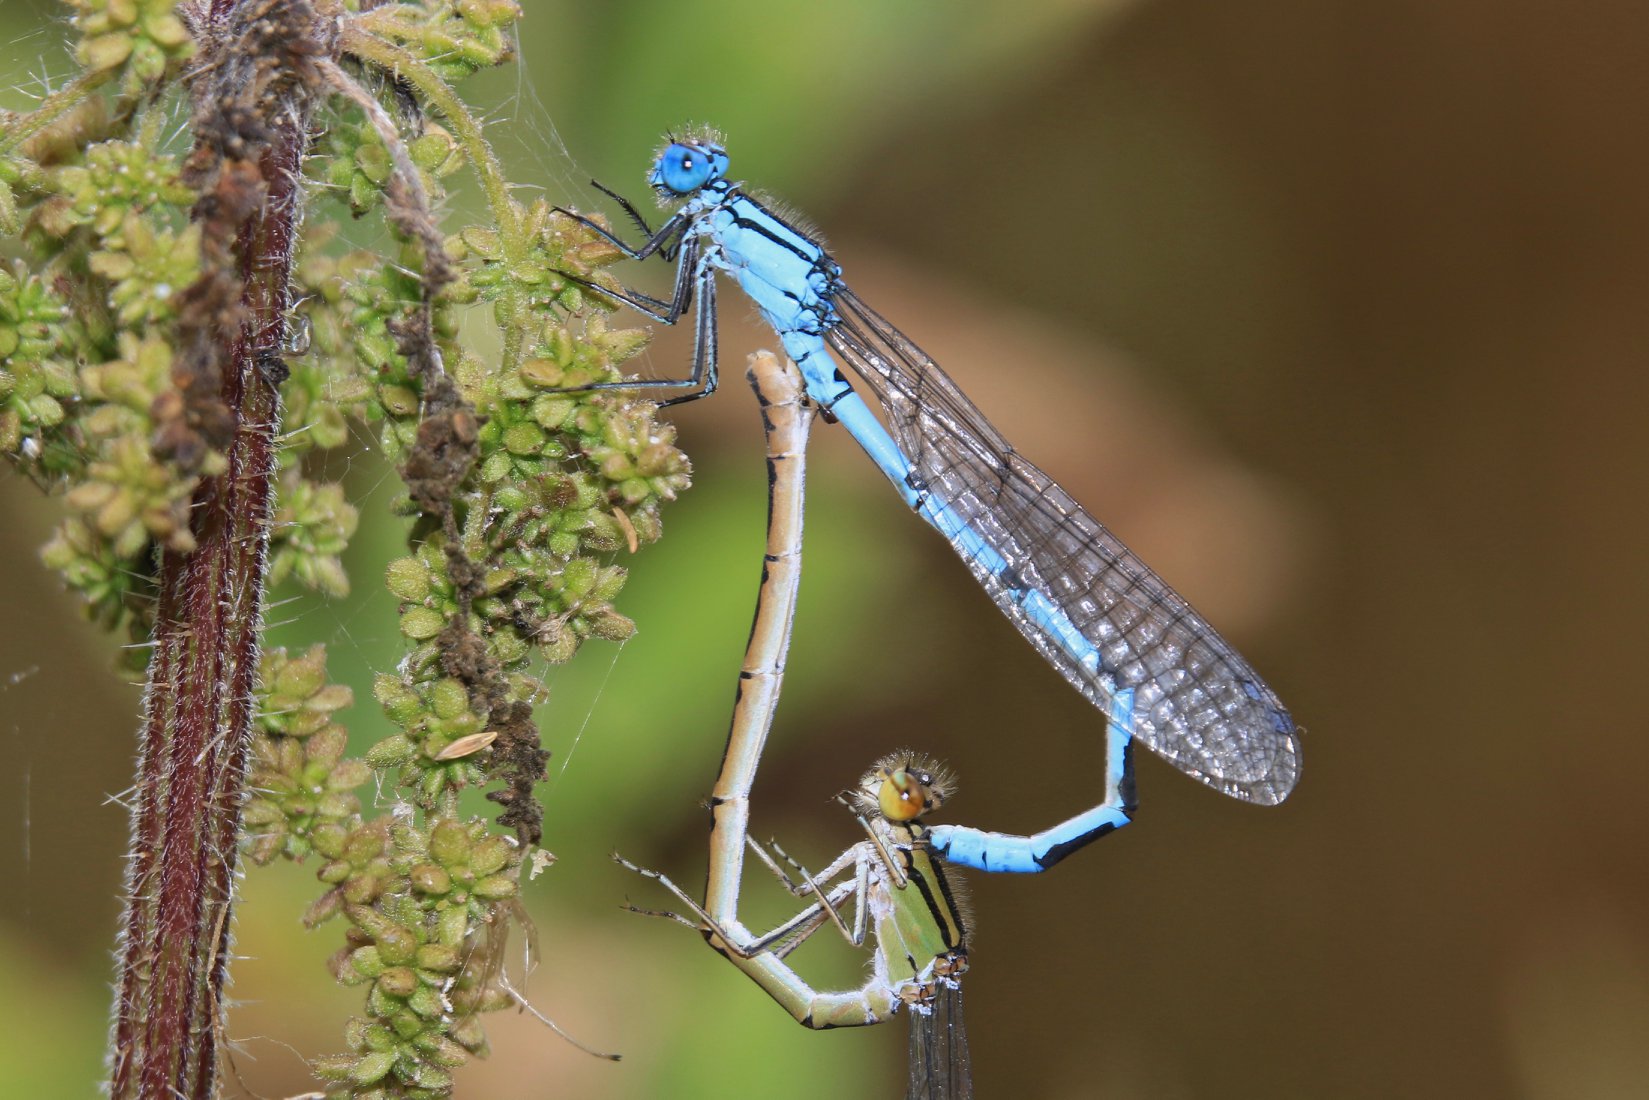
x=795, y=929
x=790, y=935
x=625, y=205
x=684, y=253
x=705, y=922
x=658, y=242
x=807, y=886
x=703, y=378
x=854, y=857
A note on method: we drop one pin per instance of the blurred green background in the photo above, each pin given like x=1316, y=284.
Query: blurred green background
x=1334, y=309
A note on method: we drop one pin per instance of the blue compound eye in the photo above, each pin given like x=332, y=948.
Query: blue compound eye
x=686, y=168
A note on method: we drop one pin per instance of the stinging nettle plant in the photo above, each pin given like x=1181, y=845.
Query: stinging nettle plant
x=180, y=338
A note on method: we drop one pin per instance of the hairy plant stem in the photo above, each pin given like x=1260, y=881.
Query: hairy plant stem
x=51, y=108
x=251, y=123
x=439, y=96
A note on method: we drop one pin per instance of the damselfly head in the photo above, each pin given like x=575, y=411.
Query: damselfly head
x=903, y=786
x=687, y=163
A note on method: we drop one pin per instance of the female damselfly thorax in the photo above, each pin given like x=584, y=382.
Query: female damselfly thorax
x=890, y=891
x=924, y=917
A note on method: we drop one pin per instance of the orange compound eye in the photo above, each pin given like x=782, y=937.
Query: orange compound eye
x=902, y=797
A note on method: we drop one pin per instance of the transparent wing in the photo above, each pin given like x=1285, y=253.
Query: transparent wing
x=940, y=1068
x=1197, y=703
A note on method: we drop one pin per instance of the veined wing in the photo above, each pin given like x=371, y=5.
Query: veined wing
x=1197, y=703
x=940, y=1068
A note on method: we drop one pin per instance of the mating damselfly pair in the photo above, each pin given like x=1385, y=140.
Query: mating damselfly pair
x=1116, y=631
